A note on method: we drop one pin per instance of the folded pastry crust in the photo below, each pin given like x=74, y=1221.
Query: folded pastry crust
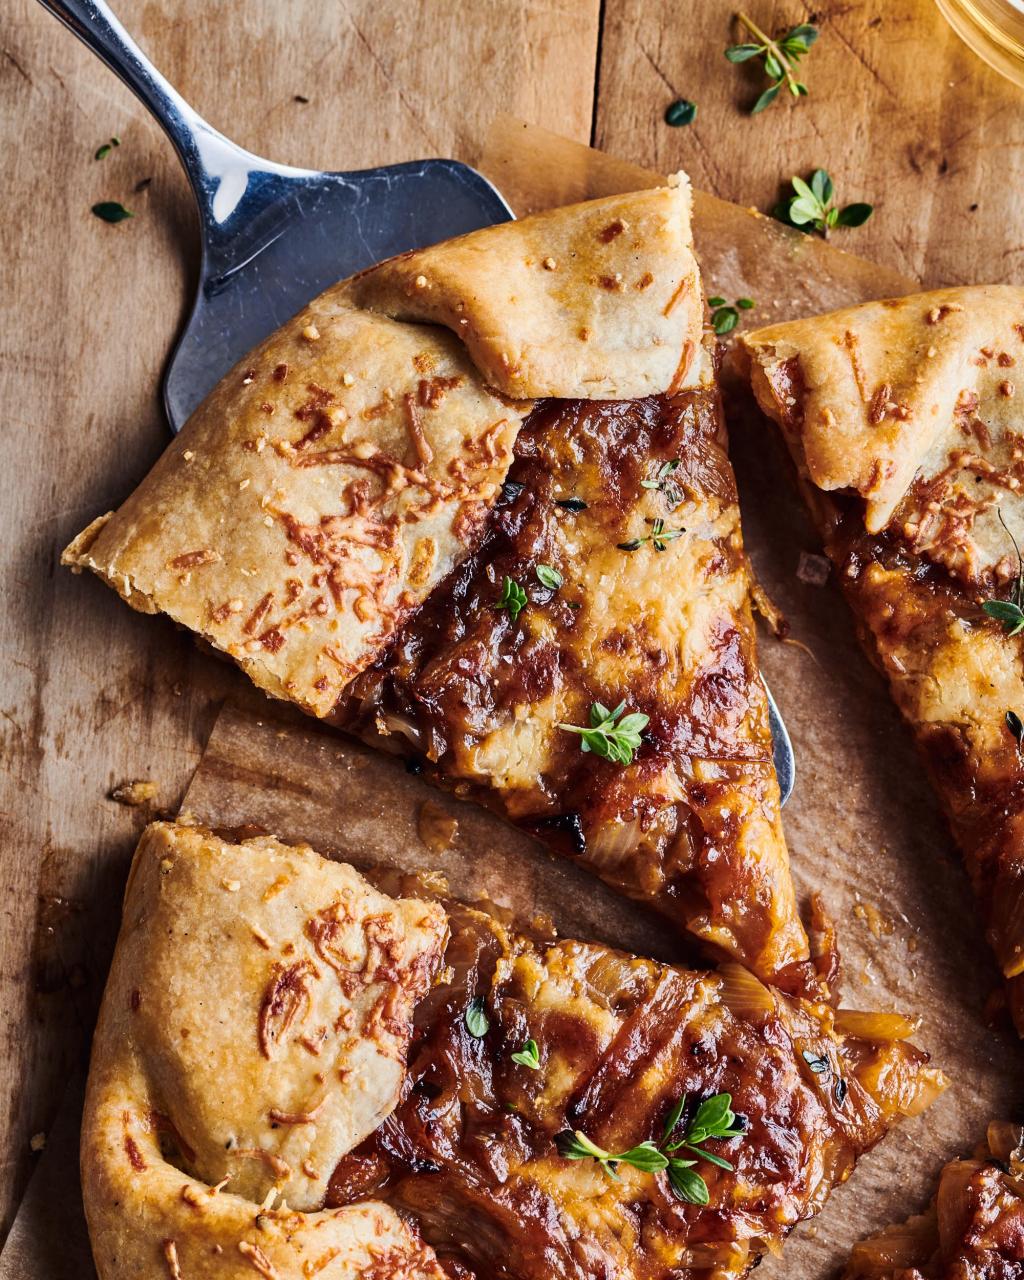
x=903, y=419
x=973, y=1230
x=337, y=474
x=254, y=1028
x=250, y=1108
x=535, y=394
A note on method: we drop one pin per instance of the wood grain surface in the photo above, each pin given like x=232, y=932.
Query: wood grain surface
x=93, y=694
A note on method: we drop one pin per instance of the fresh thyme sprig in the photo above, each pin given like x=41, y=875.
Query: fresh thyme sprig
x=662, y=481
x=608, y=736
x=659, y=537
x=1010, y=612
x=780, y=58
x=725, y=318
x=528, y=1056
x=714, y=1119
x=810, y=206
x=512, y=598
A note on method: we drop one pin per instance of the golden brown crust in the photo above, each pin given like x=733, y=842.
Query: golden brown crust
x=342, y=469
x=974, y=1229
x=595, y=303
x=254, y=1028
x=918, y=582
x=889, y=390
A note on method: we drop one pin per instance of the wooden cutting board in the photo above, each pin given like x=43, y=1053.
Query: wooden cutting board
x=862, y=825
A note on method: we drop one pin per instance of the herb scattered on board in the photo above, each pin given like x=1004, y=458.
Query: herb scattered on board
x=609, y=736
x=725, y=318
x=1010, y=612
x=680, y=112
x=548, y=577
x=477, y=1022
x=659, y=537
x=810, y=206
x=512, y=598
x=1016, y=727
x=714, y=1119
x=528, y=1056
x=780, y=58
x=662, y=481
x=107, y=147
x=111, y=211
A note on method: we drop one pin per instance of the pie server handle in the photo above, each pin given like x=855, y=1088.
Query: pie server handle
x=217, y=168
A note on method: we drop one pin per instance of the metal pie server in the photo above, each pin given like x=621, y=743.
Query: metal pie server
x=274, y=237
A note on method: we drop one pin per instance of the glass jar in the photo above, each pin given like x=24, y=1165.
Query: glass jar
x=994, y=29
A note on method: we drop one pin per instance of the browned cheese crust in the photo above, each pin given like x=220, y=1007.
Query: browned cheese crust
x=338, y=511
x=254, y=1028
x=973, y=1230
x=278, y=1089
x=692, y=826
x=903, y=418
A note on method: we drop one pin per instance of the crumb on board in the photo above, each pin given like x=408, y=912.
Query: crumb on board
x=139, y=791
x=436, y=828
x=37, y=1142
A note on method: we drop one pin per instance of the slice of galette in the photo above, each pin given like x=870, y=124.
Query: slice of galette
x=973, y=1230
x=296, y=1074
x=905, y=423
x=475, y=504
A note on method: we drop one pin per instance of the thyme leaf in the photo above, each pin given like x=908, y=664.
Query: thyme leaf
x=111, y=211
x=548, y=577
x=1009, y=612
x=680, y=112
x=512, y=598
x=1016, y=728
x=528, y=1056
x=477, y=1022
x=662, y=481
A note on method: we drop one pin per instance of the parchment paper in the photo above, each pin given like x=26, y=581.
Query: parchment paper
x=862, y=825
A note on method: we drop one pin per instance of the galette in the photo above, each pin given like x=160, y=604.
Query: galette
x=475, y=505
x=298, y=1074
